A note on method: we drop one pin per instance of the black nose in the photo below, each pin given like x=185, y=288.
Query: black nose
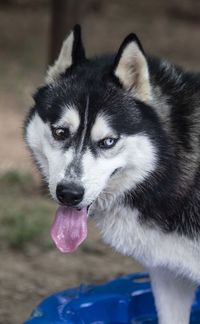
x=69, y=194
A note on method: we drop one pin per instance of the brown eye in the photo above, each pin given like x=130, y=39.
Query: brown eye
x=60, y=133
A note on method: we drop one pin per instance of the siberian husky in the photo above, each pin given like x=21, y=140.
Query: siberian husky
x=118, y=137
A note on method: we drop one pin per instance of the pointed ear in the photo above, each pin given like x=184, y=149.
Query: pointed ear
x=72, y=53
x=131, y=68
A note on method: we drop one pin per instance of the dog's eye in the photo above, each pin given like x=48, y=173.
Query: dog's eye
x=107, y=143
x=60, y=133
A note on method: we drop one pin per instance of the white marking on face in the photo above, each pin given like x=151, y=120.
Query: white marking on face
x=96, y=172
x=134, y=155
x=70, y=118
x=51, y=159
x=101, y=128
x=36, y=133
x=84, y=125
x=58, y=163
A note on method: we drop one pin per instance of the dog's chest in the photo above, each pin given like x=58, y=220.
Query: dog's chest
x=122, y=229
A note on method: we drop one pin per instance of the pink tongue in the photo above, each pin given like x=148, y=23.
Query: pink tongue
x=69, y=229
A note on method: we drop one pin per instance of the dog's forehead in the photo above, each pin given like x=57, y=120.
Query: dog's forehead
x=101, y=128
x=70, y=118
x=107, y=107
x=97, y=124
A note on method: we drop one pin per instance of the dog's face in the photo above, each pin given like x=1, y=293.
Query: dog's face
x=91, y=129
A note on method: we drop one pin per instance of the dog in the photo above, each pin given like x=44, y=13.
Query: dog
x=117, y=137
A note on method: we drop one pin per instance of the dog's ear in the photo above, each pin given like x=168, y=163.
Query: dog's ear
x=72, y=53
x=131, y=68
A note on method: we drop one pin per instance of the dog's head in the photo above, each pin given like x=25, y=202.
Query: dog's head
x=91, y=129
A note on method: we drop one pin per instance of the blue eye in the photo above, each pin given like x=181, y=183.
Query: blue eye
x=107, y=143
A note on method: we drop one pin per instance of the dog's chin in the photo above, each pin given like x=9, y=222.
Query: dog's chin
x=78, y=207
x=87, y=207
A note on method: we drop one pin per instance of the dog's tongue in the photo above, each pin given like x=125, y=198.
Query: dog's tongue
x=69, y=229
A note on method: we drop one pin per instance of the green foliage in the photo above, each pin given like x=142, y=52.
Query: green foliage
x=26, y=213
x=15, y=180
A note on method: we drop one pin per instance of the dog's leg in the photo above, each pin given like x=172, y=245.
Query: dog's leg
x=173, y=296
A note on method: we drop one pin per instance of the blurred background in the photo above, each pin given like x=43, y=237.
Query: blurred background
x=30, y=35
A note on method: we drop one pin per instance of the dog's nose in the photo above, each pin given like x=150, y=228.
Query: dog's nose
x=69, y=194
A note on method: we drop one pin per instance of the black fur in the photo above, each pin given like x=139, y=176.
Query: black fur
x=170, y=197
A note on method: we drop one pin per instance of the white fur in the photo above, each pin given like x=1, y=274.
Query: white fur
x=122, y=229
x=173, y=260
x=173, y=296
x=58, y=163
x=85, y=123
x=36, y=134
x=70, y=118
x=52, y=161
x=101, y=129
x=132, y=71
x=136, y=157
x=64, y=60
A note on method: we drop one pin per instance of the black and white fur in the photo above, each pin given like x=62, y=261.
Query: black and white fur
x=144, y=192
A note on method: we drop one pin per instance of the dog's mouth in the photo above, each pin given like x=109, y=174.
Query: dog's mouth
x=69, y=228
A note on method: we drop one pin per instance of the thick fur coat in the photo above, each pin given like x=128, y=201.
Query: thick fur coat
x=125, y=129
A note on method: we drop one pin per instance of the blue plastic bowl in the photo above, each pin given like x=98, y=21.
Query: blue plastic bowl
x=126, y=300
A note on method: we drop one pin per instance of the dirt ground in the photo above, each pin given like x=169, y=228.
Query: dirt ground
x=27, y=277
x=170, y=29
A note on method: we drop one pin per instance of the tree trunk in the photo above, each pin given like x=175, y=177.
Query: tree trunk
x=65, y=14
